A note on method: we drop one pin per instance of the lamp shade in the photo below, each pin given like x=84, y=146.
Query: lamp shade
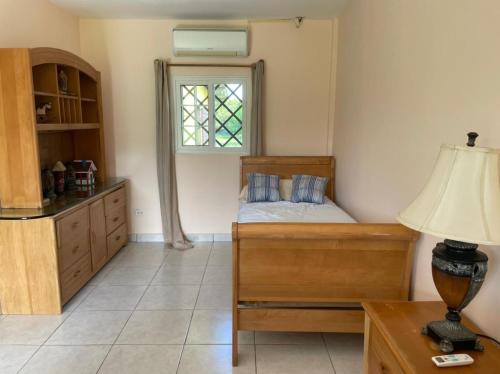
x=461, y=200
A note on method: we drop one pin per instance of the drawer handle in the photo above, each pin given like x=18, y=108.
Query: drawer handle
x=75, y=249
x=116, y=200
x=383, y=368
x=77, y=273
x=116, y=219
x=74, y=225
x=118, y=237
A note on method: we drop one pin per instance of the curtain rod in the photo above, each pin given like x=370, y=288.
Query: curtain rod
x=212, y=65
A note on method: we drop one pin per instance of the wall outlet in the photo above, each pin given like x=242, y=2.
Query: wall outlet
x=139, y=212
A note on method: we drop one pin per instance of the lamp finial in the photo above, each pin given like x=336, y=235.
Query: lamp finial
x=472, y=138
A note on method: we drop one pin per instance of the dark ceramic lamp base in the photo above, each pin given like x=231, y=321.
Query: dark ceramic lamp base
x=458, y=270
x=452, y=335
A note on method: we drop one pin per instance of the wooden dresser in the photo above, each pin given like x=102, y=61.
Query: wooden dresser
x=394, y=344
x=47, y=255
x=50, y=111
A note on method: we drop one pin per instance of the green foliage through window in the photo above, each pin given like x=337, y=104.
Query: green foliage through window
x=212, y=114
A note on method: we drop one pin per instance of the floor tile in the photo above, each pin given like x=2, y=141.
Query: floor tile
x=113, y=298
x=68, y=359
x=169, y=297
x=142, y=359
x=114, y=260
x=130, y=276
x=218, y=275
x=188, y=257
x=220, y=256
x=78, y=298
x=148, y=246
x=293, y=359
x=265, y=337
x=203, y=245
x=97, y=327
x=221, y=245
x=141, y=257
x=31, y=330
x=175, y=274
x=13, y=357
x=156, y=327
x=215, y=327
x=346, y=352
x=214, y=297
x=216, y=359
x=99, y=277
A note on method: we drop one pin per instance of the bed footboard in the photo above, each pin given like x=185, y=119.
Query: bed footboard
x=310, y=263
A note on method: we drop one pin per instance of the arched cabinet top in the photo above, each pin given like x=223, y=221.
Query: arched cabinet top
x=41, y=56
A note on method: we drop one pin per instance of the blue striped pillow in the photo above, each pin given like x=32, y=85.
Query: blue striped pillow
x=308, y=189
x=263, y=187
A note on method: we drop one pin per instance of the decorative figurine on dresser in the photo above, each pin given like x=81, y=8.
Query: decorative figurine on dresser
x=50, y=249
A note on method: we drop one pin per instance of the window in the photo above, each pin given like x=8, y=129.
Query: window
x=212, y=114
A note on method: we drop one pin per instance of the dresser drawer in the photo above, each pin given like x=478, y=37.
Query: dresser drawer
x=73, y=224
x=75, y=277
x=114, y=200
x=381, y=360
x=73, y=237
x=115, y=218
x=117, y=239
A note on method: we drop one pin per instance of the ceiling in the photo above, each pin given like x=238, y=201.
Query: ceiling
x=203, y=9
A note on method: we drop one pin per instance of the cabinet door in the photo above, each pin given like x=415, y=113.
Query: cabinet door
x=98, y=235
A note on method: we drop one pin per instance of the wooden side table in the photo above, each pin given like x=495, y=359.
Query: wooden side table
x=394, y=343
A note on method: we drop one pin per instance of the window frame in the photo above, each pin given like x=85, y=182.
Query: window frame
x=211, y=81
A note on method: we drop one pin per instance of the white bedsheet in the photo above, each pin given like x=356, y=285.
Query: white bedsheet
x=286, y=211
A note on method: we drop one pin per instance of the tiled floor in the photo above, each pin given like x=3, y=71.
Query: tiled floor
x=155, y=310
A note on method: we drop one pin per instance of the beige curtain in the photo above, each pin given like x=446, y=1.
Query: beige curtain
x=256, y=146
x=165, y=158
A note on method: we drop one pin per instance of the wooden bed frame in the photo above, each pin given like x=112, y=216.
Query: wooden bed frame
x=313, y=276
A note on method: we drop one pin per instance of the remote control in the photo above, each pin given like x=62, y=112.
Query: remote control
x=452, y=360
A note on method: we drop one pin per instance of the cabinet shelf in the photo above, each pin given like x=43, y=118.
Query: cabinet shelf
x=42, y=93
x=52, y=127
x=71, y=97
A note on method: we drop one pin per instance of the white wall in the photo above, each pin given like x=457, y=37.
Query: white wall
x=412, y=75
x=37, y=23
x=297, y=105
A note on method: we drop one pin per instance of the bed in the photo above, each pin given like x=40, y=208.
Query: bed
x=308, y=276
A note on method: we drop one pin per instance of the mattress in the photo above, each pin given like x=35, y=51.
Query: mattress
x=286, y=211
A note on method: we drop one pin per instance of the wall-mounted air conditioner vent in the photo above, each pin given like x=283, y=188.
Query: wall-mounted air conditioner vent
x=210, y=42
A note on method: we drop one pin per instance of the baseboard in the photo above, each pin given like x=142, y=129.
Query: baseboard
x=222, y=238
x=204, y=237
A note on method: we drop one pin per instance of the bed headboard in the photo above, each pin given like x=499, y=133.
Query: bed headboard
x=286, y=166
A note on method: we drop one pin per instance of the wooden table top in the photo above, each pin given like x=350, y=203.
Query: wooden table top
x=401, y=322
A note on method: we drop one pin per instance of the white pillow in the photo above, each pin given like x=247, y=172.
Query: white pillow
x=285, y=190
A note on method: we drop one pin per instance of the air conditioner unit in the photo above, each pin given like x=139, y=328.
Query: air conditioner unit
x=210, y=41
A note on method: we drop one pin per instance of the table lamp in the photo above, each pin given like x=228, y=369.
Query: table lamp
x=461, y=204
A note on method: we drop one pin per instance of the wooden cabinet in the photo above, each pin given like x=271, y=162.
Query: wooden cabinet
x=45, y=259
x=50, y=249
x=98, y=243
x=71, y=128
x=85, y=244
x=394, y=343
